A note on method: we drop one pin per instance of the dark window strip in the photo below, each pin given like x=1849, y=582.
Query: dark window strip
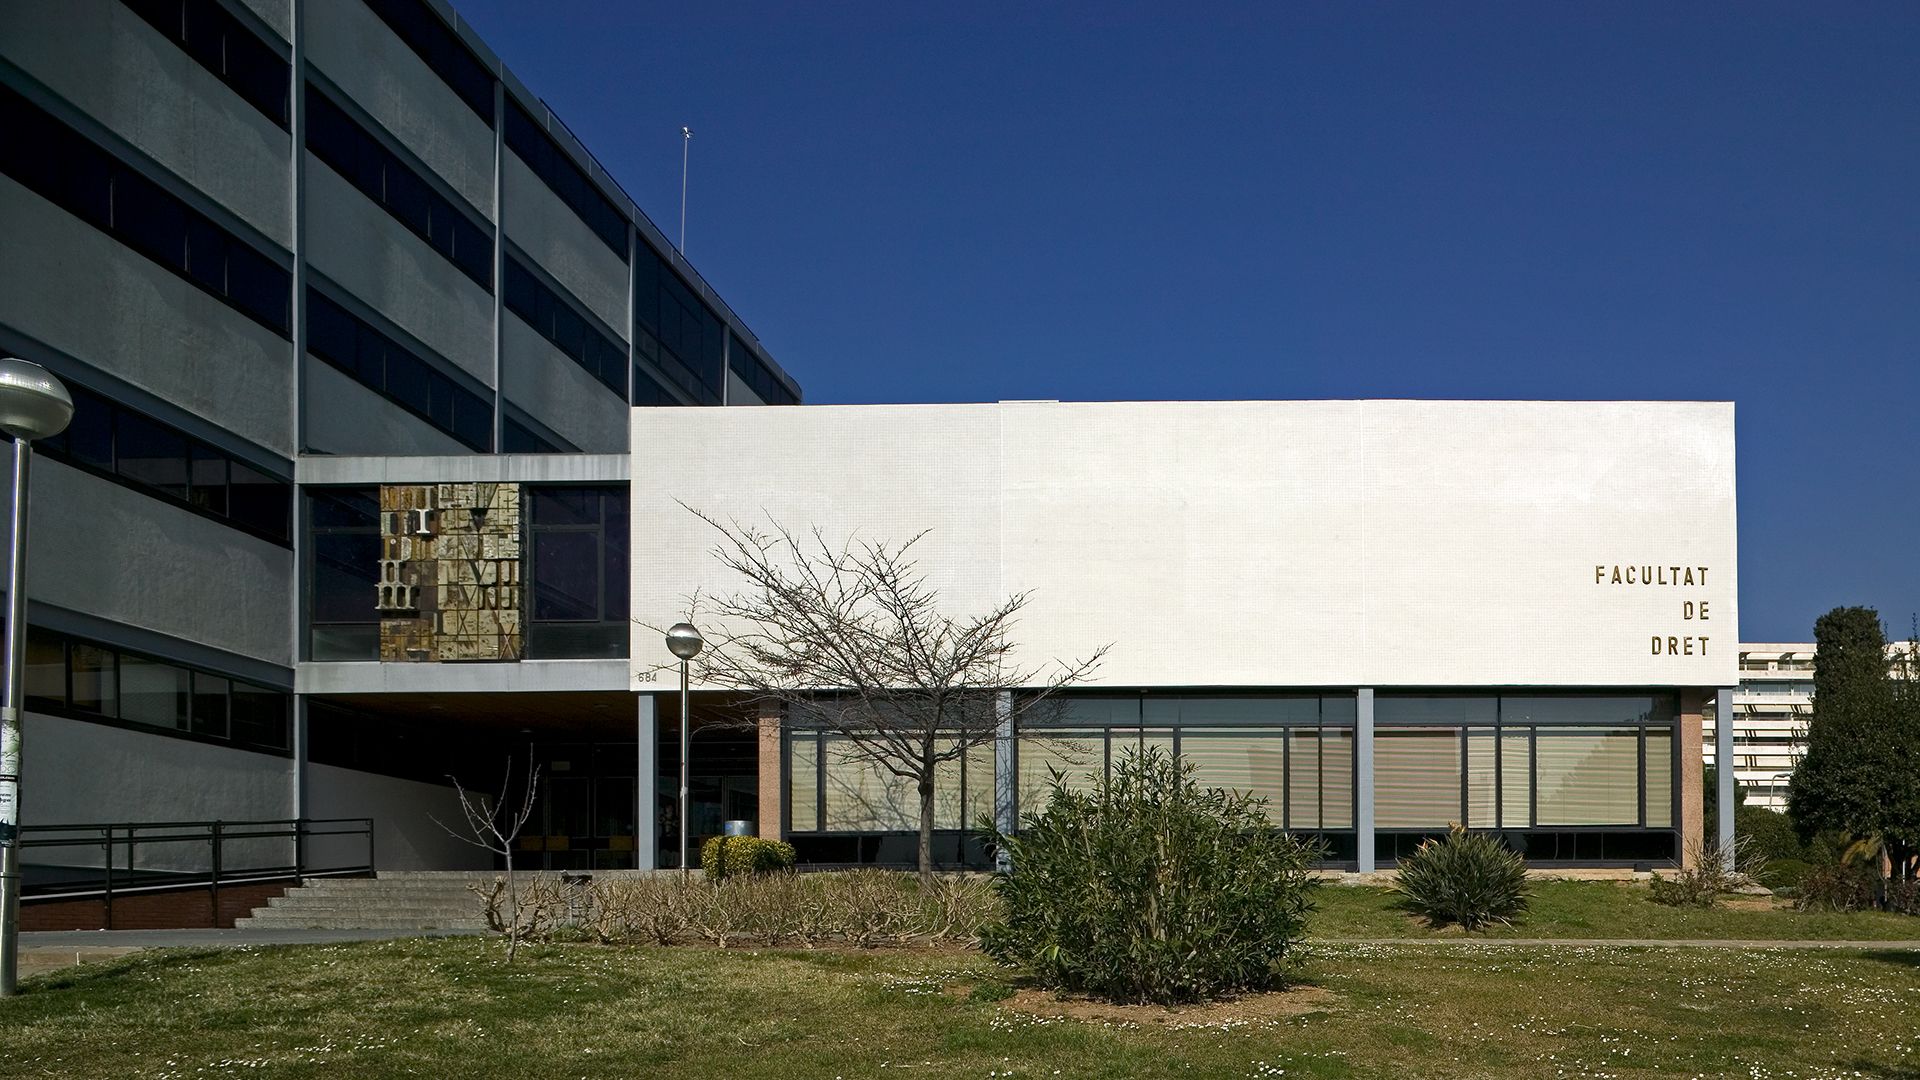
x=63, y=166
x=75, y=677
x=441, y=49
x=381, y=364
x=676, y=330
x=128, y=447
x=754, y=372
x=557, y=170
x=379, y=174
x=648, y=391
x=553, y=318
x=224, y=46
x=518, y=438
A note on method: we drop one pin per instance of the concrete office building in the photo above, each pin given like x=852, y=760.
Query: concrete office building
x=365, y=489
x=276, y=248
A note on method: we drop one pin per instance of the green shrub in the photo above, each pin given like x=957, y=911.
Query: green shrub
x=1768, y=834
x=1782, y=875
x=1838, y=886
x=1468, y=878
x=1150, y=888
x=726, y=856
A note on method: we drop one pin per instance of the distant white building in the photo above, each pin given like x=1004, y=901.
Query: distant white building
x=1771, y=708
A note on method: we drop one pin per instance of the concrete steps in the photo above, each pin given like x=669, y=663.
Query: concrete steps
x=395, y=900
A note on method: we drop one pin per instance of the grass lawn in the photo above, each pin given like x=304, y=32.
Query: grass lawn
x=1605, y=909
x=450, y=1007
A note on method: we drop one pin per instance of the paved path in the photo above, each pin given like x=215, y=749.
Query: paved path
x=48, y=950
x=167, y=939
x=1630, y=943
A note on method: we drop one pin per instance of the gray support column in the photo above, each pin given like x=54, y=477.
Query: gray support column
x=1363, y=778
x=299, y=779
x=1006, y=812
x=499, y=261
x=646, y=830
x=1723, y=772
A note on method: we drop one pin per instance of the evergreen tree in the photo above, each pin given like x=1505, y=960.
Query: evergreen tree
x=1863, y=743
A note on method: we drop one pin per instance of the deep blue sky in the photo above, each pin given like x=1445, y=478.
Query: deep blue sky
x=1499, y=201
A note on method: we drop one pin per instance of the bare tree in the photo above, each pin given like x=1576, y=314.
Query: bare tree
x=850, y=638
x=488, y=830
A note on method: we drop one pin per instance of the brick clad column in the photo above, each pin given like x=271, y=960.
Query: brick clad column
x=1692, y=807
x=772, y=793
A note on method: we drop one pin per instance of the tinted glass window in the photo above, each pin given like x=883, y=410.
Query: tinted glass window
x=259, y=715
x=258, y=501
x=89, y=438
x=345, y=569
x=342, y=570
x=46, y=670
x=517, y=438
x=442, y=50
x=150, y=454
x=578, y=571
x=648, y=391
x=67, y=169
x=566, y=582
x=673, y=328
x=95, y=689
x=224, y=46
x=207, y=482
x=110, y=438
x=350, y=150
x=153, y=693
x=385, y=367
x=555, y=318
x=166, y=696
x=529, y=140
x=210, y=693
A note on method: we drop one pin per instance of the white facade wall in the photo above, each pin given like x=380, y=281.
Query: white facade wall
x=1248, y=544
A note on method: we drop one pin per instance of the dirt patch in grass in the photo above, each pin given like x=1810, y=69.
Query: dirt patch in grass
x=1248, y=1008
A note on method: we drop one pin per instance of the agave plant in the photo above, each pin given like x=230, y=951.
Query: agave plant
x=1467, y=878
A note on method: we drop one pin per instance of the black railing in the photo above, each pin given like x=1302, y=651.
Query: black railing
x=102, y=861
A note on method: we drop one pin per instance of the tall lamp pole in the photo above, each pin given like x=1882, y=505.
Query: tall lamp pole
x=684, y=642
x=33, y=405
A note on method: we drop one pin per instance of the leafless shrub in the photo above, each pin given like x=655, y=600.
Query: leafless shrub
x=493, y=825
x=1712, y=873
x=861, y=908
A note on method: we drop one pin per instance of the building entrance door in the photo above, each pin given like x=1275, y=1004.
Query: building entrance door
x=583, y=811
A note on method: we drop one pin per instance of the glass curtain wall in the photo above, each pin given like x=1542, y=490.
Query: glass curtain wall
x=1587, y=778
x=1295, y=752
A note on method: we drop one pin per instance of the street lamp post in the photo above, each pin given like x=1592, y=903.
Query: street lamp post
x=684, y=641
x=33, y=405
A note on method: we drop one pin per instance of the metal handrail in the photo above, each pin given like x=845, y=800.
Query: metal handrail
x=116, y=838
